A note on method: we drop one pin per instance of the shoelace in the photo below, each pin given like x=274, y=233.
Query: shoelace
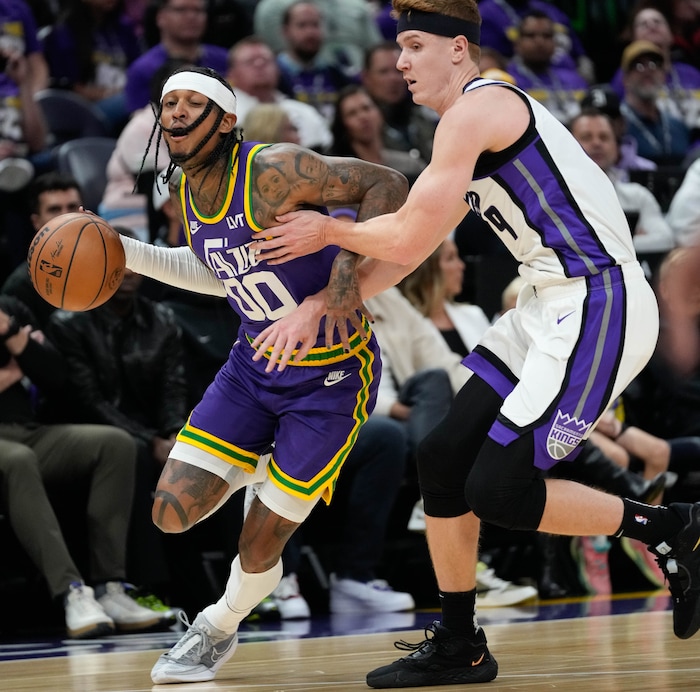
x=403, y=645
x=192, y=631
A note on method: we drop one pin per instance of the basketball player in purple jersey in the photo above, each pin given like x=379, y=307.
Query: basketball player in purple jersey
x=313, y=407
x=585, y=324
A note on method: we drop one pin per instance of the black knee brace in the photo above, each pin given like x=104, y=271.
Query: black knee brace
x=504, y=488
x=446, y=455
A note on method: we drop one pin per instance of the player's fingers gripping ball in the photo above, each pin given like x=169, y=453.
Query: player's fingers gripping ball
x=76, y=261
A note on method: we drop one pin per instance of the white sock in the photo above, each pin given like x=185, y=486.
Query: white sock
x=244, y=590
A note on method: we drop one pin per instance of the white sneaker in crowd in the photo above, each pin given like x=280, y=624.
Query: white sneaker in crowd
x=127, y=614
x=85, y=617
x=290, y=603
x=492, y=591
x=199, y=653
x=376, y=596
x=416, y=521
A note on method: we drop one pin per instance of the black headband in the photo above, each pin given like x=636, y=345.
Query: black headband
x=440, y=24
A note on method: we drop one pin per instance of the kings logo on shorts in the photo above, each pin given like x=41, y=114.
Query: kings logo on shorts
x=565, y=435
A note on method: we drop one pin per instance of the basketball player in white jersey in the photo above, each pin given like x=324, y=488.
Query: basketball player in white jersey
x=585, y=324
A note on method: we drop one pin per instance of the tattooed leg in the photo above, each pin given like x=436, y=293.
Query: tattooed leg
x=184, y=495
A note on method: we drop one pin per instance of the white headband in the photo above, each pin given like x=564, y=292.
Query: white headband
x=202, y=84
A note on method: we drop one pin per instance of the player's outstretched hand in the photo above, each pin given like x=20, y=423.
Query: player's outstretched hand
x=297, y=330
x=300, y=233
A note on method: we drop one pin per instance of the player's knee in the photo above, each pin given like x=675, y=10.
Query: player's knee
x=509, y=504
x=168, y=514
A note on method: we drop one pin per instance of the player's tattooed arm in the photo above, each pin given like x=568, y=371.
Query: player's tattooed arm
x=344, y=299
x=184, y=495
x=376, y=189
x=286, y=177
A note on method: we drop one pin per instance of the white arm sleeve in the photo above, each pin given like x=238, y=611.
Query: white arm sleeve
x=177, y=266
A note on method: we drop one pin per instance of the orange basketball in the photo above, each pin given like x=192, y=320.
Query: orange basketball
x=76, y=261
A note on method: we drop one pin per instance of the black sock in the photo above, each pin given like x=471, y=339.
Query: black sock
x=458, y=610
x=650, y=524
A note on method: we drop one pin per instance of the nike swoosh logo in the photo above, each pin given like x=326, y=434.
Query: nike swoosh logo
x=216, y=654
x=478, y=660
x=695, y=547
x=563, y=317
x=330, y=383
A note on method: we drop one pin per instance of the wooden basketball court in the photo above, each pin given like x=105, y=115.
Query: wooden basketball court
x=624, y=652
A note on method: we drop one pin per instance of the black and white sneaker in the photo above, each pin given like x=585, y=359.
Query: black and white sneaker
x=681, y=566
x=443, y=658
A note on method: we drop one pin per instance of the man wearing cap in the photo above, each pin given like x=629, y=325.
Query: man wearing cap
x=309, y=399
x=543, y=374
x=660, y=136
x=682, y=89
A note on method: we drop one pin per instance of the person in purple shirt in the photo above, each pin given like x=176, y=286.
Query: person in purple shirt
x=557, y=87
x=182, y=24
x=682, y=94
x=499, y=29
x=88, y=51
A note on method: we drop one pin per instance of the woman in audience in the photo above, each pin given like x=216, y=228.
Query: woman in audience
x=357, y=131
x=269, y=122
x=433, y=287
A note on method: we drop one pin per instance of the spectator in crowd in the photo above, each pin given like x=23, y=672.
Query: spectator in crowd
x=126, y=367
x=558, y=87
x=684, y=18
x=500, y=20
x=660, y=136
x=682, y=94
x=357, y=131
x=650, y=230
x=50, y=195
x=306, y=75
x=254, y=74
x=600, y=26
x=132, y=160
x=22, y=126
x=269, y=122
x=683, y=214
x=35, y=457
x=407, y=127
x=433, y=288
x=181, y=26
x=603, y=98
x=229, y=22
x=349, y=27
x=88, y=51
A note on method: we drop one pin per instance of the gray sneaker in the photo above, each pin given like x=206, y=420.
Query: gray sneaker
x=199, y=654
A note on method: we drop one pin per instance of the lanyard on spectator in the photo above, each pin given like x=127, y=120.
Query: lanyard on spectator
x=651, y=138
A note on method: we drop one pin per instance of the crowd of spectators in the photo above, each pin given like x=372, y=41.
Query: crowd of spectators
x=624, y=77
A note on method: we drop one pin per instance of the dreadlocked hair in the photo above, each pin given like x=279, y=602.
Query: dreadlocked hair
x=223, y=149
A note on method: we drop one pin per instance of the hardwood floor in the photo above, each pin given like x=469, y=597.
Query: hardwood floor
x=621, y=653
